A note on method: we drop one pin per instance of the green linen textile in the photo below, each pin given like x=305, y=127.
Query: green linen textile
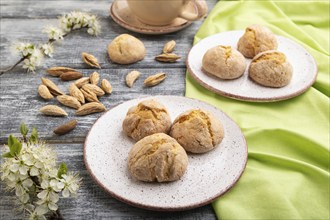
x=287, y=174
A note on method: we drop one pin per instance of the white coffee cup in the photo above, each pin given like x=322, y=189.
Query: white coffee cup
x=163, y=12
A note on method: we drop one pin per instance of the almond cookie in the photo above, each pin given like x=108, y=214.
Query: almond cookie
x=256, y=39
x=197, y=131
x=148, y=117
x=271, y=68
x=224, y=62
x=126, y=49
x=157, y=158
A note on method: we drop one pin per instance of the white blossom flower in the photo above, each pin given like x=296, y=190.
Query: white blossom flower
x=71, y=184
x=77, y=20
x=48, y=49
x=53, y=33
x=33, y=60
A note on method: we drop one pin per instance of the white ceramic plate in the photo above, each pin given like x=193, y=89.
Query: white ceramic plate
x=208, y=175
x=243, y=88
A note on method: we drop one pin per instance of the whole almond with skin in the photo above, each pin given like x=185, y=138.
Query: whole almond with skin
x=53, y=110
x=82, y=81
x=169, y=47
x=51, y=86
x=65, y=128
x=90, y=60
x=44, y=92
x=89, y=96
x=89, y=108
x=58, y=70
x=94, y=78
x=75, y=92
x=154, y=79
x=132, y=77
x=167, y=58
x=69, y=101
x=72, y=75
x=93, y=88
x=106, y=86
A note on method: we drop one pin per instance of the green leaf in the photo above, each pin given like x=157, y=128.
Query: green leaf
x=7, y=155
x=11, y=140
x=24, y=130
x=62, y=170
x=14, y=145
x=34, y=135
x=16, y=148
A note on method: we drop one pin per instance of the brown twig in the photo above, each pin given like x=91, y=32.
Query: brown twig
x=24, y=57
x=56, y=215
x=12, y=67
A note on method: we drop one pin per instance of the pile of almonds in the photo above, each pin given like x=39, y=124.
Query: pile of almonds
x=83, y=93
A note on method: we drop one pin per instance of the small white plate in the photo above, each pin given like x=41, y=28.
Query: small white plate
x=243, y=88
x=208, y=175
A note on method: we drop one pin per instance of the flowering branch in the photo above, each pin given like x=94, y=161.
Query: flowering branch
x=30, y=170
x=33, y=55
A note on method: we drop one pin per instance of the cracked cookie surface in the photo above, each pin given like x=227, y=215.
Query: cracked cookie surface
x=271, y=69
x=148, y=117
x=224, y=62
x=126, y=49
x=157, y=158
x=197, y=131
x=255, y=40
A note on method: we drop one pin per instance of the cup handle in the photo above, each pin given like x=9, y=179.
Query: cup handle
x=201, y=9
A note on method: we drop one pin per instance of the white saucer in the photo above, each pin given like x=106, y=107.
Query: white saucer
x=121, y=14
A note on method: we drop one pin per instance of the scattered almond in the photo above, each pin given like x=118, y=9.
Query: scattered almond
x=89, y=108
x=69, y=101
x=154, y=79
x=89, y=95
x=106, y=86
x=51, y=86
x=65, y=128
x=169, y=47
x=44, y=92
x=167, y=57
x=132, y=77
x=72, y=75
x=94, y=78
x=82, y=81
x=75, y=92
x=90, y=60
x=59, y=70
x=53, y=110
x=93, y=88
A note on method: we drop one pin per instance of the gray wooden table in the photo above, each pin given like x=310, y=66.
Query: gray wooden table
x=19, y=101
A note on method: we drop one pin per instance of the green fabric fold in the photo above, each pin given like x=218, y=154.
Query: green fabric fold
x=287, y=174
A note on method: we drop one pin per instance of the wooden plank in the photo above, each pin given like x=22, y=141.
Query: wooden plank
x=53, y=8
x=68, y=52
x=19, y=100
x=92, y=202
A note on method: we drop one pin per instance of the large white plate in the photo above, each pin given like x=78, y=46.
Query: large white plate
x=207, y=177
x=243, y=88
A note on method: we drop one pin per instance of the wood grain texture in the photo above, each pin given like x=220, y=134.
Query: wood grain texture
x=23, y=20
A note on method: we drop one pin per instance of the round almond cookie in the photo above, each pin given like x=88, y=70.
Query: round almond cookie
x=148, y=117
x=271, y=69
x=126, y=49
x=256, y=39
x=197, y=131
x=157, y=158
x=224, y=62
